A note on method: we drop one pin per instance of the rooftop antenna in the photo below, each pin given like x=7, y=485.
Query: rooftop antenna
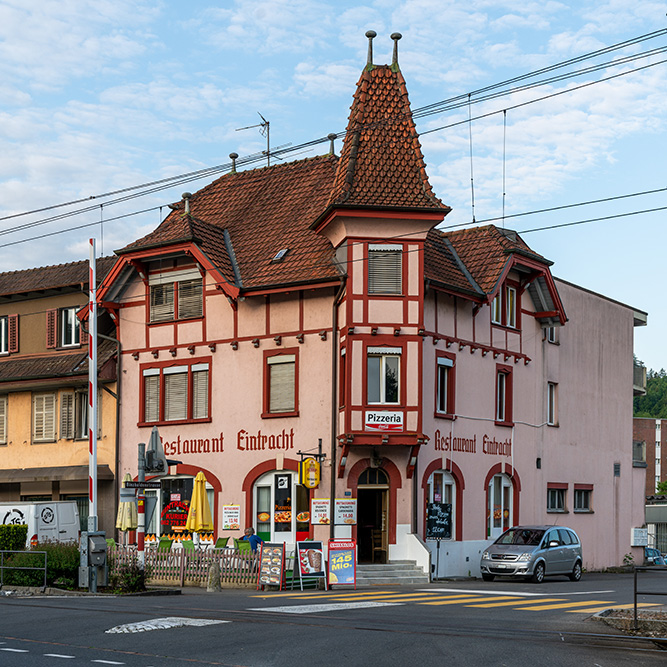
x=264, y=131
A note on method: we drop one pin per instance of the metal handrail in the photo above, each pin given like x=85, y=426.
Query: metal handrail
x=4, y=567
x=646, y=568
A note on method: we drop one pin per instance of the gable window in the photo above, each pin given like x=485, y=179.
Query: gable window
x=383, y=375
x=176, y=393
x=556, y=497
x=43, y=417
x=444, y=401
x=504, y=395
x=280, y=387
x=552, y=404
x=385, y=268
x=176, y=296
x=504, y=307
x=3, y=420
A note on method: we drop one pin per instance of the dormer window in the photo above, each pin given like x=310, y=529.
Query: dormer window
x=176, y=296
x=504, y=307
x=385, y=268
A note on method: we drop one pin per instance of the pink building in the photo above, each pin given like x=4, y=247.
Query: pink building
x=316, y=301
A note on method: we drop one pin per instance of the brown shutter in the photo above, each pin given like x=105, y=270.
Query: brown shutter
x=51, y=328
x=13, y=333
x=67, y=415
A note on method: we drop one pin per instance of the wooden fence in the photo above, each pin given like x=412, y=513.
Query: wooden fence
x=182, y=567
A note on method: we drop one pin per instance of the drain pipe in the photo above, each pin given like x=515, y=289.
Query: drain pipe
x=334, y=397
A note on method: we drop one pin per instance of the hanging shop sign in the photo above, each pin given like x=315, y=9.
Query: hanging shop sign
x=342, y=569
x=383, y=420
x=320, y=511
x=309, y=473
x=438, y=521
x=271, y=564
x=174, y=515
x=345, y=511
x=231, y=517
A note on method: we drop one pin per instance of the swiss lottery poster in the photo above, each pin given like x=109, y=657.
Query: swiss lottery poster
x=342, y=567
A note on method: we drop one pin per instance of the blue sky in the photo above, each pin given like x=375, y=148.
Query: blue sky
x=99, y=96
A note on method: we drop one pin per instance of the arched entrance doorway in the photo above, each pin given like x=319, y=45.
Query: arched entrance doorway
x=372, y=515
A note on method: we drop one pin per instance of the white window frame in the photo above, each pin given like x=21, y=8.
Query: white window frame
x=582, y=500
x=448, y=485
x=70, y=328
x=552, y=403
x=510, y=306
x=500, y=488
x=444, y=370
x=4, y=335
x=176, y=295
x=387, y=356
x=501, y=396
x=44, y=417
x=385, y=268
x=504, y=307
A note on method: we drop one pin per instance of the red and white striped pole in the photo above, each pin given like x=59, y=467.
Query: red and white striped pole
x=92, y=391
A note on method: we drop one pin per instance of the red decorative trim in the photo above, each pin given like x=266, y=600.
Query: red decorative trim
x=558, y=485
x=583, y=487
x=394, y=484
x=254, y=474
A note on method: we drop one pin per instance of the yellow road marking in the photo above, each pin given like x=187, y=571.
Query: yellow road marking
x=566, y=605
x=592, y=610
x=514, y=603
x=318, y=595
x=476, y=598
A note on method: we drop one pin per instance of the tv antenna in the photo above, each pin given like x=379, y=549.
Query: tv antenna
x=264, y=131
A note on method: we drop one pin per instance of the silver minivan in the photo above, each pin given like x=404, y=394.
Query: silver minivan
x=533, y=552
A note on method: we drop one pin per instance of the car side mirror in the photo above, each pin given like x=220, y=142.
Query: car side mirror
x=554, y=543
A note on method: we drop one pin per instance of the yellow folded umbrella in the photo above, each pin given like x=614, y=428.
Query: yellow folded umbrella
x=199, y=517
x=127, y=518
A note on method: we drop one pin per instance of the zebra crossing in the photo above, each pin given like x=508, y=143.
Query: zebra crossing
x=320, y=602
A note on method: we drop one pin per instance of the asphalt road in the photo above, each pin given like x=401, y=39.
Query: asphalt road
x=457, y=623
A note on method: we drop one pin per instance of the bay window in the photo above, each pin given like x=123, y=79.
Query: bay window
x=383, y=375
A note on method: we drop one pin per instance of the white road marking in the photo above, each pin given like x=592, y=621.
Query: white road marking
x=496, y=592
x=58, y=655
x=314, y=608
x=163, y=624
x=108, y=662
x=15, y=650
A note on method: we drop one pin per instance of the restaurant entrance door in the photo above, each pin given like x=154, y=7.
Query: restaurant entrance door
x=372, y=518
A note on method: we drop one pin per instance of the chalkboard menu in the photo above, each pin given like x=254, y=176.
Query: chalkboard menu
x=271, y=565
x=438, y=521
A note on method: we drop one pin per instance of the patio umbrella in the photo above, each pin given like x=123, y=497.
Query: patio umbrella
x=127, y=518
x=199, y=517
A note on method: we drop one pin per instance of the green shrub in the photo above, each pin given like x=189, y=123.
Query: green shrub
x=13, y=537
x=128, y=577
x=62, y=565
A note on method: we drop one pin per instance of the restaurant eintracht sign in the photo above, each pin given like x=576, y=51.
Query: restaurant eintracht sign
x=245, y=442
x=489, y=444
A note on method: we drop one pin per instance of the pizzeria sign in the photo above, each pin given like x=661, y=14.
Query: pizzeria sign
x=383, y=420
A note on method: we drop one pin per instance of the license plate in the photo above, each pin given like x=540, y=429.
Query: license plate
x=502, y=566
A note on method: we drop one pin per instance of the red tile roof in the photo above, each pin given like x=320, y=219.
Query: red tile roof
x=56, y=276
x=381, y=162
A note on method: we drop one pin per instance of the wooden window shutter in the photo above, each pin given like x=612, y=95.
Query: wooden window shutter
x=13, y=325
x=200, y=391
x=385, y=269
x=51, y=328
x=162, y=302
x=190, y=299
x=3, y=420
x=44, y=417
x=175, y=393
x=152, y=397
x=67, y=415
x=282, y=383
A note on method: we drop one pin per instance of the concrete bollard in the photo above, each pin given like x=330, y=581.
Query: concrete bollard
x=213, y=582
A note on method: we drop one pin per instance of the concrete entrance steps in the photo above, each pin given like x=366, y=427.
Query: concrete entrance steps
x=396, y=572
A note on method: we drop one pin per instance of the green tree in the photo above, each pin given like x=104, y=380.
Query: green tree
x=654, y=403
x=661, y=488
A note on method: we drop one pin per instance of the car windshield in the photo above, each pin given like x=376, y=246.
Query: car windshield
x=521, y=536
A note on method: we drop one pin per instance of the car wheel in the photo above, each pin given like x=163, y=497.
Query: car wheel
x=487, y=577
x=538, y=574
x=575, y=575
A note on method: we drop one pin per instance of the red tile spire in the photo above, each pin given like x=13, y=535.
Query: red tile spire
x=381, y=163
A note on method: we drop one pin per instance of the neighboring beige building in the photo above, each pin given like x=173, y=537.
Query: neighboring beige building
x=43, y=390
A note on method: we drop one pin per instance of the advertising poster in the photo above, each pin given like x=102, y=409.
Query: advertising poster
x=282, y=509
x=311, y=559
x=346, y=511
x=438, y=521
x=342, y=563
x=174, y=516
x=231, y=517
x=319, y=511
x=271, y=564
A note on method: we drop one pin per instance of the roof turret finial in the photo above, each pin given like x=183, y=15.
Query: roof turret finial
x=332, y=137
x=370, y=34
x=186, y=201
x=233, y=157
x=395, y=36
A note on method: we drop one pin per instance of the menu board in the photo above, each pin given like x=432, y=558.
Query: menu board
x=342, y=568
x=319, y=511
x=311, y=559
x=345, y=511
x=231, y=517
x=271, y=565
x=438, y=521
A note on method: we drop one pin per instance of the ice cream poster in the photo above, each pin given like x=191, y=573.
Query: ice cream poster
x=311, y=559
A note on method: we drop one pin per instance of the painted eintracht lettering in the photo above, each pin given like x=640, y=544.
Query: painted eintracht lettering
x=249, y=443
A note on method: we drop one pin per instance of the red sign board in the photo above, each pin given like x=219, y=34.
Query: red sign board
x=342, y=566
